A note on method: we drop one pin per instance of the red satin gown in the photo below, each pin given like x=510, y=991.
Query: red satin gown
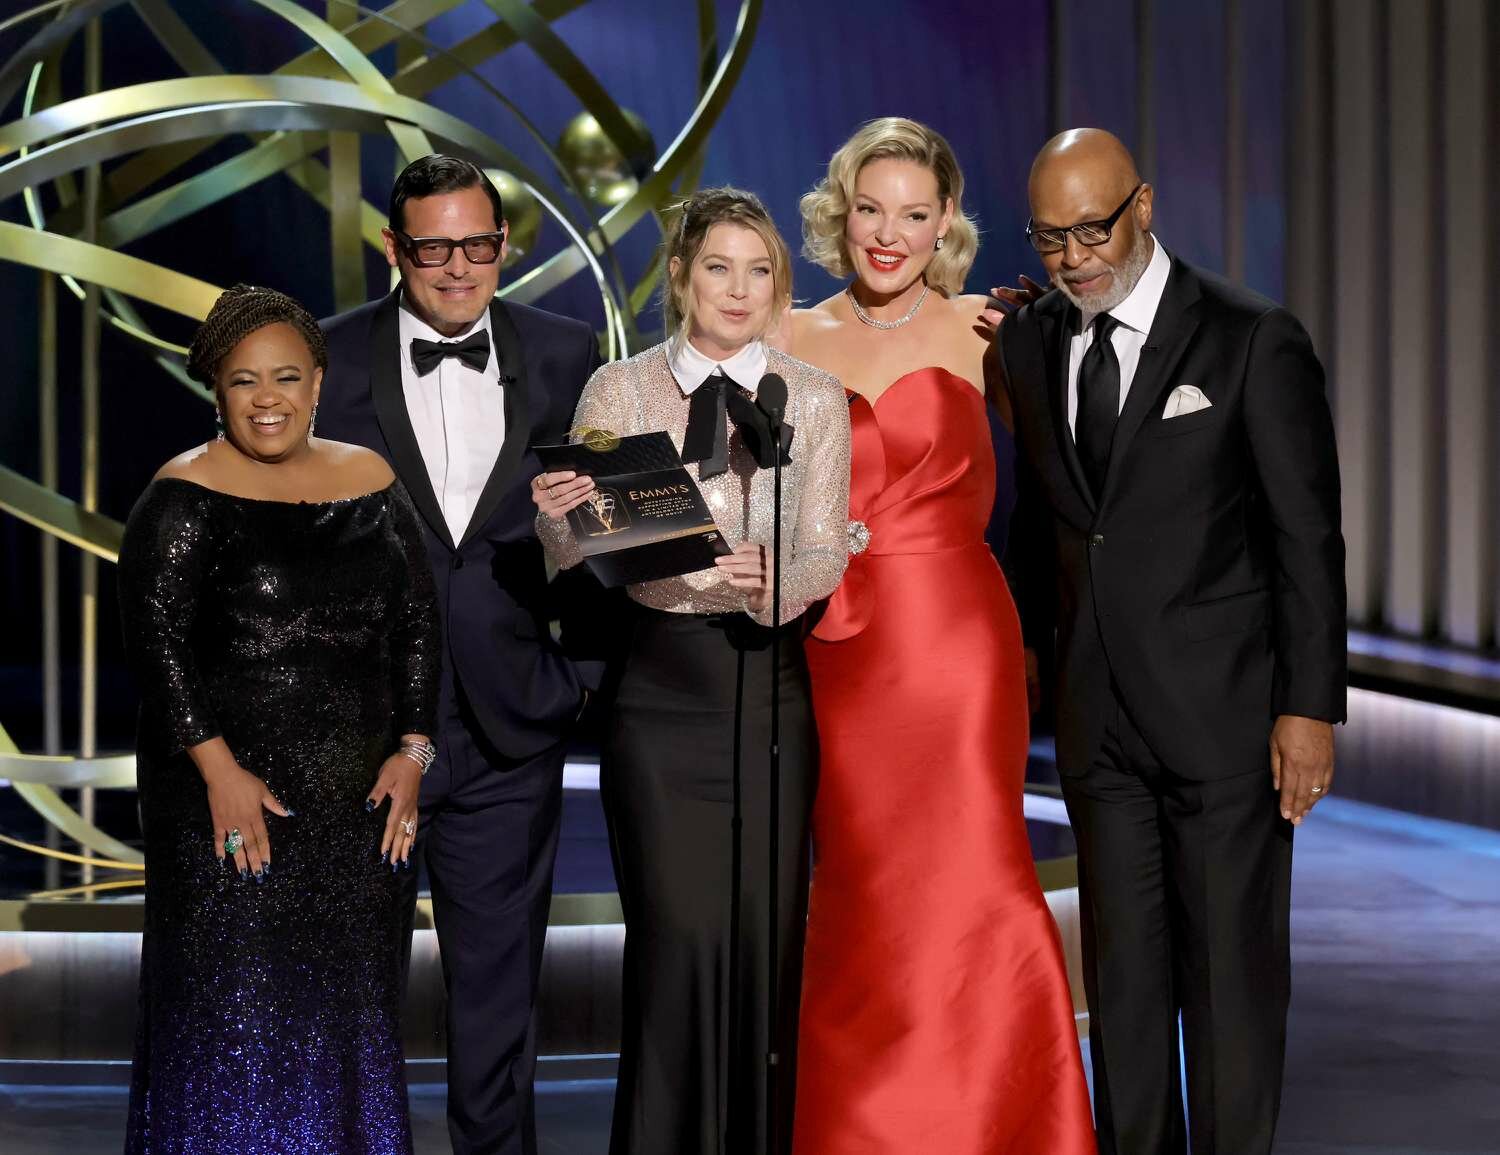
x=936, y=1015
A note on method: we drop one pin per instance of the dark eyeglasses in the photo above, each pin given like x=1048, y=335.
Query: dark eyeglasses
x=1089, y=233
x=435, y=252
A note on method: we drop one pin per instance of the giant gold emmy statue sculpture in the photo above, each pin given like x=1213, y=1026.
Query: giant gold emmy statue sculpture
x=89, y=170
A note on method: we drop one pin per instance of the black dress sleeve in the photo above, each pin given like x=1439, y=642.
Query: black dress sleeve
x=416, y=632
x=163, y=561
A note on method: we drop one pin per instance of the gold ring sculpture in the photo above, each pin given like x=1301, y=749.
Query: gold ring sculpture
x=605, y=178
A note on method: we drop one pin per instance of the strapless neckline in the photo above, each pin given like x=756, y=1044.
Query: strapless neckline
x=942, y=373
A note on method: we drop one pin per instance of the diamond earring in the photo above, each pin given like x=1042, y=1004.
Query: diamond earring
x=939, y=243
x=218, y=424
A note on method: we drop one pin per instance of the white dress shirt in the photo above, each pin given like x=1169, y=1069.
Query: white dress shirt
x=1135, y=314
x=690, y=368
x=458, y=415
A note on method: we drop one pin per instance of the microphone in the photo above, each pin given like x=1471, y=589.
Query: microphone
x=770, y=398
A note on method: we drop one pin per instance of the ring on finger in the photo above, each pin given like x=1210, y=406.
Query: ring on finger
x=409, y=827
x=1317, y=789
x=233, y=843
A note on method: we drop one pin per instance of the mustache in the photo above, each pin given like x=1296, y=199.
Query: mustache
x=1077, y=278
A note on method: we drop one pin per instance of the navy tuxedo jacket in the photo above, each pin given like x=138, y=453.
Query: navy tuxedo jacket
x=492, y=585
x=1206, y=581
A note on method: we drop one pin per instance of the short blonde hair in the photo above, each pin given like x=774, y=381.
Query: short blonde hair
x=825, y=210
x=690, y=228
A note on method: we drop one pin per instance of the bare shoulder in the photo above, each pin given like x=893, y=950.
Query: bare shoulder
x=818, y=318
x=812, y=380
x=816, y=332
x=195, y=465
x=968, y=306
x=359, y=469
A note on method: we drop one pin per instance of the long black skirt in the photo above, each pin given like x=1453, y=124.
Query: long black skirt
x=693, y=1059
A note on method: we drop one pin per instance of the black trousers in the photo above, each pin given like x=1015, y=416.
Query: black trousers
x=488, y=829
x=692, y=1066
x=1185, y=895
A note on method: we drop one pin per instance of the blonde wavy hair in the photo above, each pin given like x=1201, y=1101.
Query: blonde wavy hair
x=688, y=231
x=826, y=208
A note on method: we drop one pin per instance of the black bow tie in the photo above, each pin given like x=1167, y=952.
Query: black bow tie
x=473, y=351
x=706, y=440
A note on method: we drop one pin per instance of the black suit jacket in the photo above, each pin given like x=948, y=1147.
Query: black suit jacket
x=492, y=585
x=1207, y=579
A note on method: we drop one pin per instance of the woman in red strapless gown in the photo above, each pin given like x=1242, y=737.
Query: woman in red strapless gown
x=936, y=1014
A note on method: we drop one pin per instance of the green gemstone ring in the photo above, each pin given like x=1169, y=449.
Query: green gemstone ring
x=233, y=843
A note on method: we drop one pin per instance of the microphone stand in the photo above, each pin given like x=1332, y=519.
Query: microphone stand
x=773, y=1057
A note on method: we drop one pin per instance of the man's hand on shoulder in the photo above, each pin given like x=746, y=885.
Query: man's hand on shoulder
x=1004, y=300
x=1301, y=764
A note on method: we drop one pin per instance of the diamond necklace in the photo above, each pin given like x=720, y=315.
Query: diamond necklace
x=876, y=324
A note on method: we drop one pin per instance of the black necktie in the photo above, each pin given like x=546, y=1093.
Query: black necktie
x=473, y=351
x=1098, y=403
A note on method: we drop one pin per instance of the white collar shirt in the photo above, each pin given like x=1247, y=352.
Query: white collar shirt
x=458, y=416
x=1135, y=315
x=690, y=368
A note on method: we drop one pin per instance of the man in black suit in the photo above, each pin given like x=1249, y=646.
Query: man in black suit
x=1179, y=525
x=453, y=387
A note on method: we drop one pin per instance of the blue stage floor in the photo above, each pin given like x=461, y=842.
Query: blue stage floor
x=1394, y=1042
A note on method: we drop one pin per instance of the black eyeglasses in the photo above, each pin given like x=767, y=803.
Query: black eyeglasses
x=435, y=252
x=1089, y=233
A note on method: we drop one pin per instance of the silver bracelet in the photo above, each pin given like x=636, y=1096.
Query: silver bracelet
x=423, y=753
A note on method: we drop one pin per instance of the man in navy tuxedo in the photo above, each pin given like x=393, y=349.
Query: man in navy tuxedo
x=453, y=387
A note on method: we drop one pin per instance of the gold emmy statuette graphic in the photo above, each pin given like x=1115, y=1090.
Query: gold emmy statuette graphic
x=595, y=440
x=605, y=508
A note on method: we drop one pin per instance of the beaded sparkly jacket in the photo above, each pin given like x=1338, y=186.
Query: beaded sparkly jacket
x=640, y=395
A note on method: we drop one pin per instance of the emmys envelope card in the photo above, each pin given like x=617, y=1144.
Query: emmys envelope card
x=646, y=518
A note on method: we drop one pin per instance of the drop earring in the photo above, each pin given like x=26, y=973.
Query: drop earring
x=938, y=244
x=312, y=422
x=218, y=424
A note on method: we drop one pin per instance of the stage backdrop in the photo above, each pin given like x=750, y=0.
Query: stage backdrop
x=1330, y=153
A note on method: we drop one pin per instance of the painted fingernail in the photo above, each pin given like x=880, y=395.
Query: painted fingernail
x=369, y=805
x=245, y=873
x=385, y=857
x=290, y=813
x=260, y=876
x=395, y=866
x=266, y=868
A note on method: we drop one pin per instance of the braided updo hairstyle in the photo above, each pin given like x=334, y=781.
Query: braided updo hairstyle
x=240, y=311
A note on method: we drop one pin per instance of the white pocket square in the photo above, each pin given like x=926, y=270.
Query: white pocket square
x=1185, y=399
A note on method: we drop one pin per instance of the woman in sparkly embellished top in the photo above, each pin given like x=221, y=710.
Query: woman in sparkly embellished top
x=936, y=1014
x=692, y=1066
x=280, y=618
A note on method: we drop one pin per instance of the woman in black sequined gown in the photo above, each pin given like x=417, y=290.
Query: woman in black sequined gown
x=279, y=615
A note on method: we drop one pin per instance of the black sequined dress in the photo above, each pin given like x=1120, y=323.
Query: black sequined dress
x=306, y=635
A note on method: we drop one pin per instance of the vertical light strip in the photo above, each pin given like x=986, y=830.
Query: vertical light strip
x=47, y=446
x=1363, y=291
x=1413, y=308
x=1234, y=142
x=345, y=199
x=89, y=497
x=1145, y=87
x=1469, y=201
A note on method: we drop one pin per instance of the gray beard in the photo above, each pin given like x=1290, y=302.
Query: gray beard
x=1126, y=274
